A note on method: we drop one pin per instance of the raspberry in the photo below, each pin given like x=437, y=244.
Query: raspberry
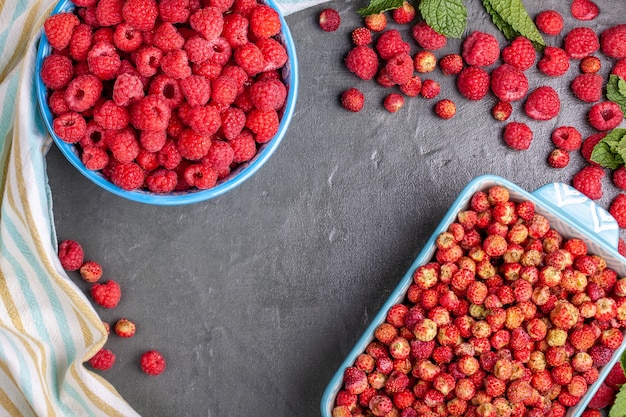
x=602, y=398
x=70, y=127
x=393, y=102
x=268, y=95
x=233, y=121
x=508, y=83
x=588, y=87
x=329, y=20
x=390, y=44
x=126, y=38
x=204, y=120
x=399, y=69
x=109, y=12
x=520, y=53
x=605, y=115
x=56, y=71
x=167, y=38
x=517, y=136
x=601, y=355
x=58, y=29
x=621, y=247
x=221, y=5
x=549, y=22
x=147, y=160
x=161, y=180
x=128, y=176
x=106, y=295
x=209, y=22
x=201, y=176
x=502, y=110
x=150, y=113
x=127, y=89
x=152, y=141
x=588, y=181
x=124, y=328
x=413, y=87
x=589, y=144
x=554, y=62
x=363, y=62
x=56, y=102
x=90, y=271
x=123, y=145
x=445, y=109
x=103, y=34
x=383, y=79
x=613, y=41
x=152, y=362
x=250, y=58
x=581, y=42
x=198, y=49
x=244, y=147
x=274, y=54
x=584, y=9
x=361, y=36
x=220, y=155
x=427, y=38
x=168, y=88
x=352, y=99
x=590, y=65
x=71, y=255
x=111, y=116
x=244, y=6
x=264, y=21
x=148, y=60
x=168, y=156
x=430, y=89
x=83, y=92
x=473, y=83
x=451, y=64
x=264, y=124
x=619, y=177
x=224, y=91
x=618, y=209
x=543, y=103
x=616, y=377
x=558, y=158
x=376, y=22
x=103, y=359
x=567, y=138
x=175, y=64
x=480, y=49
x=80, y=43
x=103, y=61
x=235, y=29
x=196, y=89
x=174, y=11
x=192, y=145
x=140, y=14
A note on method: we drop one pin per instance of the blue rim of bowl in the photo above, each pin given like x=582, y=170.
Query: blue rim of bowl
x=238, y=176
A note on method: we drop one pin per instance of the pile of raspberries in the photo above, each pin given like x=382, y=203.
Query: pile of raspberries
x=169, y=95
x=509, y=319
x=482, y=65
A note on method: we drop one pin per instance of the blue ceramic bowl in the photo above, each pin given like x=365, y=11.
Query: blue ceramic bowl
x=239, y=175
x=569, y=212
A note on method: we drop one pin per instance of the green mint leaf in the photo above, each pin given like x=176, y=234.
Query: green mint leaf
x=618, y=409
x=379, y=6
x=613, y=92
x=447, y=17
x=622, y=361
x=514, y=14
x=621, y=86
x=500, y=23
x=606, y=152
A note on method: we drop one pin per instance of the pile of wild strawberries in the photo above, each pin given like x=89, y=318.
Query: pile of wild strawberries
x=107, y=295
x=509, y=319
x=168, y=95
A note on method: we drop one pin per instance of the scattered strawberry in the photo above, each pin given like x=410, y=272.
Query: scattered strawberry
x=590, y=64
x=558, y=158
x=91, y=271
x=424, y=61
x=404, y=14
x=329, y=20
x=352, y=99
x=502, y=110
x=445, y=109
x=451, y=64
x=393, y=102
x=125, y=328
x=376, y=22
x=361, y=36
x=430, y=89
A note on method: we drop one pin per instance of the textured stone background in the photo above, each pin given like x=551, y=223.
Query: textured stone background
x=257, y=296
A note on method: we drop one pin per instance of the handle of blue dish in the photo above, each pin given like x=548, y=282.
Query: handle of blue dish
x=581, y=209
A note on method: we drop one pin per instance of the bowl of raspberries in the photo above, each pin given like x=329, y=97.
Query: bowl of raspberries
x=167, y=102
x=515, y=306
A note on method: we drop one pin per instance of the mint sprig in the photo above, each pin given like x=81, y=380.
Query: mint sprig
x=610, y=152
x=380, y=6
x=511, y=17
x=616, y=91
x=448, y=17
x=618, y=409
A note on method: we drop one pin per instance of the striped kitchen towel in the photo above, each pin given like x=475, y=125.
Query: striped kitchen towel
x=48, y=328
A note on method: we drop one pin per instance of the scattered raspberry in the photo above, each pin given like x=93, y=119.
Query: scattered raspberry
x=508, y=83
x=590, y=64
x=430, y=89
x=605, y=115
x=588, y=87
x=567, y=138
x=352, y=99
x=518, y=136
x=619, y=177
x=543, y=103
x=520, y=53
x=445, y=109
x=329, y=20
x=390, y=44
x=404, y=14
x=91, y=271
x=618, y=209
x=613, y=41
x=413, y=87
x=451, y=64
x=558, y=158
x=59, y=28
x=70, y=127
x=554, y=61
x=424, y=61
x=427, y=38
x=152, y=363
x=376, y=22
x=264, y=124
x=502, y=111
x=399, y=69
x=480, y=49
x=584, y=9
x=102, y=360
x=363, y=62
x=106, y=295
x=581, y=42
x=128, y=176
x=588, y=145
x=588, y=181
x=125, y=328
x=361, y=36
x=473, y=83
x=393, y=102
x=56, y=71
x=264, y=21
x=71, y=255
x=549, y=22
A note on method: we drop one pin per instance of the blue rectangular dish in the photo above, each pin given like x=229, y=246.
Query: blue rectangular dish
x=571, y=213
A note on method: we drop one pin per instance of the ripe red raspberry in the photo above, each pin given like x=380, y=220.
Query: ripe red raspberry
x=90, y=271
x=451, y=64
x=581, y=42
x=103, y=34
x=363, y=62
x=244, y=6
x=168, y=88
x=480, y=49
x=174, y=11
x=616, y=377
x=445, y=109
x=196, y=89
x=103, y=61
x=543, y=103
x=71, y=255
x=161, y=180
x=140, y=14
x=80, y=43
x=588, y=145
x=111, y=116
x=192, y=145
x=430, y=89
x=584, y=9
x=588, y=87
x=558, y=158
x=125, y=328
x=209, y=22
x=399, y=69
x=106, y=295
x=152, y=362
x=220, y=155
x=103, y=359
x=361, y=36
x=427, y=38
x=329, y=20
x=109, y=12
x=148, y=60
x=602, y=398
x=198, y=49
x=621, y=247
x=268, y=95
x=554, y=61
x=58, y=29
x=274, y=53
x=222, y=5
x=264, y=21
x=352, y=99
x=126, y=89
x=473, y=83
x=128, y=176
x=508, y=83
x=264, y=124
x=204, y=120
x=390, y=44
x=150, y=113
x=126, y=38
x=243, y=146
x=413, y=87
x=250, y=58
x=619, y=177
x=376, y=22
x=70, y=127
x=590, y=65
x=567, y=138
x=224, y=90
x=147, y=160
x=613, y=41
x=123, y=145
x=502, y=110
x=618, y=209
x=175, y=64
x=235, y=29
x=200, y=176
x=549, y=22
x=56, y=102
x=167, y=38
x=520, y=53
x=606, y=115
x=518, y=136
x=589, y=181
x=393, y=102
x=56, y=71
x=152, y=141
x=168, y=156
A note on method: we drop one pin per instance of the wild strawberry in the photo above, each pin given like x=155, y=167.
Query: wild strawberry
x=125, y=328
x=385, y=333
x=607, y=309
x=376, y=22
x=445, y=109
x=380, y=405
x=425, y=330
x=329, y=20
x=451, y=64
x=355, y=380
x=468, y=365
x=424, y=61
x=399, y=348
